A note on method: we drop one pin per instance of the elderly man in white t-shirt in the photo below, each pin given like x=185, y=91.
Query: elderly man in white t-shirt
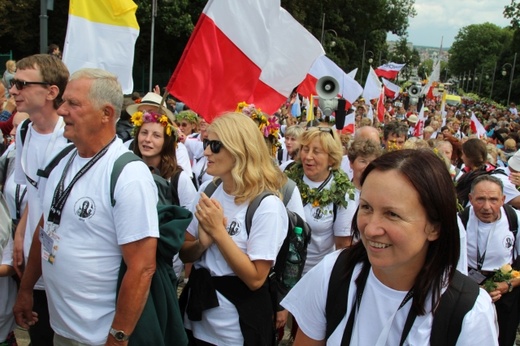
x=491, y=244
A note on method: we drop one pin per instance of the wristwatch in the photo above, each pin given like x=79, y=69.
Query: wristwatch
x=119, y=335
x=509, y=286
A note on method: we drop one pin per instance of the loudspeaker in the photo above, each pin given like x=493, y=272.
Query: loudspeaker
x=414, y=90
x=327, y=87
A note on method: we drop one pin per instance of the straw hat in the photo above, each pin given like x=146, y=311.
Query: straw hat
x=151, y=99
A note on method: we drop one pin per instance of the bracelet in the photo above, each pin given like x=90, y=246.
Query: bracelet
x=509, y=286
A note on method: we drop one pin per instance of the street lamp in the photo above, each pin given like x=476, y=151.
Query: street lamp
x=370, y=60
x=504, y=73
x=371, y=57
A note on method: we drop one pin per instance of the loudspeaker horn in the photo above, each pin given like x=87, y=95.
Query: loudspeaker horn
x=327, y=87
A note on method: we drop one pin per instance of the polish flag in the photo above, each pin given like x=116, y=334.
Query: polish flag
x=477, y=127
x=419, y=127
x=102, y=34
x=350, y=123
x=390, y=70
x=381, y=106
x=391, y=90
x=349, y=89
x=246, y=50
x=372, y=88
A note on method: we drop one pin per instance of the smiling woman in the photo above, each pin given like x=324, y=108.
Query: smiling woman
x=400, y=269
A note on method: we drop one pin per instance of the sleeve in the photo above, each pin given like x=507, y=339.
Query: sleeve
x=462, y=264
x=343, y=225
x=510, y=190
x=480, y=326
x=307, y=299
x=135, y=213
x=5, y=115
x=268, y=230
x=295, y=204
x=186, y=190
x=183, y=159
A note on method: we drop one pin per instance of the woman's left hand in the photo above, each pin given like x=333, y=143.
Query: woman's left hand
x=210, y=215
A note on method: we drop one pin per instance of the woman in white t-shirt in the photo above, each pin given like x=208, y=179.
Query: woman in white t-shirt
x=231, y=263
x=325, y=190
x=401, y=268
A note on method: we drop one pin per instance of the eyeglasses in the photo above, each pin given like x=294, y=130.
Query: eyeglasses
x=184, y=124
x=20, y=84
x=214, y=145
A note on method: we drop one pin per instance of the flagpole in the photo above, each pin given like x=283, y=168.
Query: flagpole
x=363, y=61
x=511, y=80
x=152, y=39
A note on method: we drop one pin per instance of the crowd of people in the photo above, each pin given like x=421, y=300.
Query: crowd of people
x=400, y=218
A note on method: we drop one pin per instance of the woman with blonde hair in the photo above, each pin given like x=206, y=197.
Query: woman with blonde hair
x=325, y=190
x=227, y=301
x=10, y=69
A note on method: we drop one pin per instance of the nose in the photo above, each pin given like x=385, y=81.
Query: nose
x=370, y=225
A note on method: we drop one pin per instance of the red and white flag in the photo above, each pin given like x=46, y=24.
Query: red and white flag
x=419, y=127
x=381, y=106
x=246, y=50
x=391, y=90
x=350, y=123
x=349, y=89
x=476, y=126
x=372, y=88
x=390, y=70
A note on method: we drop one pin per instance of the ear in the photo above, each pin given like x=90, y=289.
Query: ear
x=108, y=113
x=433, y=231
x=54, y=91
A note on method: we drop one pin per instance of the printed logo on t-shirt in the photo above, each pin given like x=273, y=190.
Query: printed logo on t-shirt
x=509, y=242
x=317, y=213
x=234, y=228
x=85, y=208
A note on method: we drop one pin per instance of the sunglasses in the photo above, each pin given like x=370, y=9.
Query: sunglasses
x=20, y=84
x=214, y=146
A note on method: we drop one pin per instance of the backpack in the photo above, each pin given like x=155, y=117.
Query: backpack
x=457, y=300
x=166, y=190
x=277, y=288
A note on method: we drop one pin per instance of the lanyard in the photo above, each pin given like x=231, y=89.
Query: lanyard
x=48, y=151
x=61, y=193
x=481, y=257
x=18, y=200
x=202, y=172
x=322, y=186
x=383, y=336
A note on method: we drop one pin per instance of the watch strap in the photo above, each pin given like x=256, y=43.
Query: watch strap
x=119, y=335
x=509, y=286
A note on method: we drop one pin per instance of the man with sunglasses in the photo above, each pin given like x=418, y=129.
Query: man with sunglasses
x=37, y=89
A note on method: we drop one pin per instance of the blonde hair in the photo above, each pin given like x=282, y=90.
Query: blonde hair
x=329, y=141
x=10, y=65
x=254, y=170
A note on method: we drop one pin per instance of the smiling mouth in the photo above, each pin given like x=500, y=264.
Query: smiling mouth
x=378, y=245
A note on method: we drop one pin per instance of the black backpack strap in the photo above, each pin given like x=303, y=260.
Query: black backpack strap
x=119, y=165
x=253, y=206
x=464, y=216
x=512, y=219
x=174, y=184
x=280, y=155
x=337, y=293
x=457, y=300
x=212, y=186
x=287, y=191
x=24, y=127
x=44, y=173
x=289, y=166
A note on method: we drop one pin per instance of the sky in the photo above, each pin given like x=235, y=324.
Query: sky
x=442, y=19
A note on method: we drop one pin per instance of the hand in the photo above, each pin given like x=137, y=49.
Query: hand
x=10, y=105
x=204, y=239
x=22, y=309
x=18, y=257
x=514, y=178
x=157, y=90
x=281, y=318
x=210, y=215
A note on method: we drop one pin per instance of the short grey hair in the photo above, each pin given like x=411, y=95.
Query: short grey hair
x=487, y=177
x=105, y=88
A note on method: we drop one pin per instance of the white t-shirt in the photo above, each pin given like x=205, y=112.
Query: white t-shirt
x=199, y=169
x=307, y=300
x=323, y=228
x=81, y=283
x=345, y=166
x=40, y=150
x=220, y=325
x=7, y=295
x=495, y=239
x=194, y=147
x=11, y=192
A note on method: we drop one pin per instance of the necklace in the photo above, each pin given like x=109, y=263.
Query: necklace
x=341, y=185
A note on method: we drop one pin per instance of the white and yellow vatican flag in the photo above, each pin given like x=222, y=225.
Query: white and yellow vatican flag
x=102, y=34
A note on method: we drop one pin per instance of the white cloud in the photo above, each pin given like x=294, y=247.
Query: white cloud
x=443, y=19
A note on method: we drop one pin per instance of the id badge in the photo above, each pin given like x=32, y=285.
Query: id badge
x=476, y=276
x=49, y=242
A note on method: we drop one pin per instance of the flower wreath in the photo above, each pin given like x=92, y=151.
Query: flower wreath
x=268, y=125
x=188, y=115
x=139, y=118
x=341, y=185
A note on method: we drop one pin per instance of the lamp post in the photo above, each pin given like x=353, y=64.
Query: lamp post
x=475, y=78
x=469, y=78
x=152, y=36
x=370, y=60
x=504, y=72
